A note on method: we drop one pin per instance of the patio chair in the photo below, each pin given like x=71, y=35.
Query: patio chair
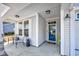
x=22, y=40
x=18, y=40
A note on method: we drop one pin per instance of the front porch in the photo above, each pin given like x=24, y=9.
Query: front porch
x=38, y=28
x=46, y=49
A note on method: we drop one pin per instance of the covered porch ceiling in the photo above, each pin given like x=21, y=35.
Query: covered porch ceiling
x=25, y=10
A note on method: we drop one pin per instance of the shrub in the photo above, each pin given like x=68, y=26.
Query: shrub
x=9, y=33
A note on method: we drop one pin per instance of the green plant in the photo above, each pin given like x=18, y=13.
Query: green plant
x=9, y=33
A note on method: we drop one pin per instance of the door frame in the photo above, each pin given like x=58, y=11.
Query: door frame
x=47, y=34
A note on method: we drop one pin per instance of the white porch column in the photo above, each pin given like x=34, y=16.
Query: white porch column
x=3, y=10
x=37, y=20
x=62, y=31
x=1, y=31
x=16, y=28
x=65, y=30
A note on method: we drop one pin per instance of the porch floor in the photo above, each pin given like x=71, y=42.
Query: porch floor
x=44, y=50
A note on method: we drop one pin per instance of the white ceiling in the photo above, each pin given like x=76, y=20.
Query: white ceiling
x=27, y=9
x=54, y=12
x=14, y=8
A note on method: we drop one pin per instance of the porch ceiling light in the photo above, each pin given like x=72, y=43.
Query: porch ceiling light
x=17, y=16
x=47, y=11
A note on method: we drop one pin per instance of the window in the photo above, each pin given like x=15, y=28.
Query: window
x=20, y=32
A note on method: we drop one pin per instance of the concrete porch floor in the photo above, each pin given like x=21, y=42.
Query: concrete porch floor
x=44, y=50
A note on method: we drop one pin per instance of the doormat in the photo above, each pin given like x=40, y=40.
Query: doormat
x=51, y=43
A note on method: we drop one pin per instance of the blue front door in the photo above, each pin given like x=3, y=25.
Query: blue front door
x=52, y=32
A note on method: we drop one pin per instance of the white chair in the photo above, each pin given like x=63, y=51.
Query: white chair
x=18, y=40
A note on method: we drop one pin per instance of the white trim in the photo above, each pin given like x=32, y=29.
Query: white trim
x=23, y=28
x=30, y=28
x=1, y=31
x=29, y=16
x=49, y=19
x=9, y=21
x=37, y=29
x=62, y=32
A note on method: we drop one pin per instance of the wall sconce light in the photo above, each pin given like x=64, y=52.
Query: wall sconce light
x=67, y=16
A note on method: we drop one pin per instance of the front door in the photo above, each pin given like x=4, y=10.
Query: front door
x=52, y=32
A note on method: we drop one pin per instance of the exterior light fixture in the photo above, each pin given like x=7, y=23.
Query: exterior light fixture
x=47, y=11
x=17, y=16
x=67, y=16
